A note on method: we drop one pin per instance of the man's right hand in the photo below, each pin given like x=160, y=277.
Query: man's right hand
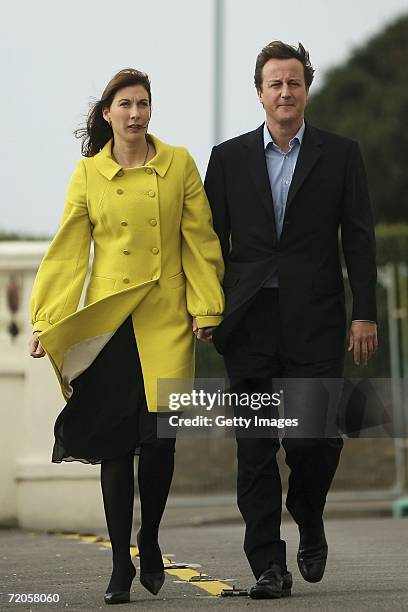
x=34, y=344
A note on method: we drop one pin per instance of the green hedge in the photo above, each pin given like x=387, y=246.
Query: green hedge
x=392, y=243
x=6, y=236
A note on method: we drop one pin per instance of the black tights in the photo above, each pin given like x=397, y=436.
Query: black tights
x=155, y=472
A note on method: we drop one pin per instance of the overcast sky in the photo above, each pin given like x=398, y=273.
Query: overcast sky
x=57, y=56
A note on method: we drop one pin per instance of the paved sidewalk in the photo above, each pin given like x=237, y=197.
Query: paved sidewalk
x=367, y=569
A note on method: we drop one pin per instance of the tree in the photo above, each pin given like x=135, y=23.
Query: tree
x=367, y=100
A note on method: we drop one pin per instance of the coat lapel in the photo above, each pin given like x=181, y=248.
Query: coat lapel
x=256, y=161
x=309, y=153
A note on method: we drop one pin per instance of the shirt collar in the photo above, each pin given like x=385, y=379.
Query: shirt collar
x=107, y=165
x=298, y=136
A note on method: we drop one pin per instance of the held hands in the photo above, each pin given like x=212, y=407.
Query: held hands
x=34, y=344
x=204, y=333
x=363, y=341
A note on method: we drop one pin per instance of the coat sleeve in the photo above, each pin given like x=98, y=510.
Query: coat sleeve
x=201, y=252
x=358, y=239
x=60, y=277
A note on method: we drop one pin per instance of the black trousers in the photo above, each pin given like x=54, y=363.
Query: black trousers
x=255, y=357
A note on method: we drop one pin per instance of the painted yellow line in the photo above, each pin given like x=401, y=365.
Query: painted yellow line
x=213, y=587
x=90, y=539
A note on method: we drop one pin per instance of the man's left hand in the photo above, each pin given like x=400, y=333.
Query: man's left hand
x=363, y=341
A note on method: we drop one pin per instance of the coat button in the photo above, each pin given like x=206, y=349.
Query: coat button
x=125, y=280
x=124, y=223
x=119, y=191
x=153, y=222
x=152, y=194
x=120, y=173
x=126, y=252
x=149, y=171
x=155, y=250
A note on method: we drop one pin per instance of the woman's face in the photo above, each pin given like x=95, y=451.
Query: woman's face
x=129, y=113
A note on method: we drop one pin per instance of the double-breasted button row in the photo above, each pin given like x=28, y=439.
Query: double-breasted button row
x=153, y=223
x=155, y=250
x=150, y=193
x=126, y=252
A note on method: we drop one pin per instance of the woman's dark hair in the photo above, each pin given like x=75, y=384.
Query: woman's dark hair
x=280, y=50
x=97, y=131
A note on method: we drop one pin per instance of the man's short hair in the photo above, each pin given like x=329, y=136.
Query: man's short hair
x=280, y=50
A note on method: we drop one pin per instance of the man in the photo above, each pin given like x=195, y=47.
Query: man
x=279, y=195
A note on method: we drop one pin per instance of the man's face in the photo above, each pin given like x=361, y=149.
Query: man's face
x=283, y=94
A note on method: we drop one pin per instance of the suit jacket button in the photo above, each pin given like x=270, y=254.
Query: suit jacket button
x=126, y=252
x=155, y=250
x=153, y=222
x=124, y=223
x=119, y=191
x=152, y=194
x=125, y=280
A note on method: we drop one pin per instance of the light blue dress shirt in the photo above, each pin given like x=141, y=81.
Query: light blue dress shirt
x=281, y=167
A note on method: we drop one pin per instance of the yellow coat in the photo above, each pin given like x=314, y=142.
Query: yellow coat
x=156, y=257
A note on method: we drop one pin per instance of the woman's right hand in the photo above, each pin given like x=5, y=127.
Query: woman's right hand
x=36, y=350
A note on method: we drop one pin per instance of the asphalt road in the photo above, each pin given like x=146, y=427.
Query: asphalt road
x=367, y=569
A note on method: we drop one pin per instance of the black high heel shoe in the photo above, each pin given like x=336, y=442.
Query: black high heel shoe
x=119, y=597
x=152, y=581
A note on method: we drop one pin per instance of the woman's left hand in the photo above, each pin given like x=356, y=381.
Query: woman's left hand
x=202, y=333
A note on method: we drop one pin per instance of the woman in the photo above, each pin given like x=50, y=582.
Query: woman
x=155, y=280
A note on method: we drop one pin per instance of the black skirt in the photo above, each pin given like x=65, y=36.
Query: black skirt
x=107, y=415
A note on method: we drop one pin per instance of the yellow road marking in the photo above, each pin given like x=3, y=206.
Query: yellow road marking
x=90, y=539
x=214, y=587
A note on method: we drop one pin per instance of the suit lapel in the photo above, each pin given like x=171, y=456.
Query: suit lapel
x=309, y=153
x=256, y=163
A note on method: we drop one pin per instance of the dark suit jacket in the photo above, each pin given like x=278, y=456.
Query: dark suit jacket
x=328, y=192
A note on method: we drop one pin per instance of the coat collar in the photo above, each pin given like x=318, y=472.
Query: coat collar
x=107, y=166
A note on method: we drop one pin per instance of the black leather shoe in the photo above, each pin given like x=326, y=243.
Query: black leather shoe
x=272, y=584
x=119, y=597
x=152, y=581
x=312, y=553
